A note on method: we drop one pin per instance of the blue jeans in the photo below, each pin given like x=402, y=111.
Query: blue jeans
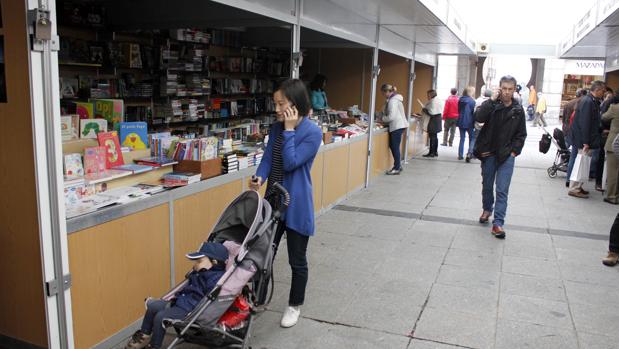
x=156, y=311
x=395, y=138
x=463, y=132
x=492, y=171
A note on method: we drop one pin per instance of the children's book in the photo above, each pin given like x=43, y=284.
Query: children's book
x=94, y=160
x=73, y=165
x=89, y=128
x=65, y=128
x=156, y=161
x=133, y=135
x=86, y=110
x=111, y=110
x=114, y=154
x=134, y=168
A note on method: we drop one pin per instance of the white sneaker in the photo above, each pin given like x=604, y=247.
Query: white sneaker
x=290, y=317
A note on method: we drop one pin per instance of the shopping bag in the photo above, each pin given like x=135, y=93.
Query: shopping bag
x=580, y=172
x=605, y=174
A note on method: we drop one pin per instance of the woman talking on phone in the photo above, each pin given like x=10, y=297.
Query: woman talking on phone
x=293, y=143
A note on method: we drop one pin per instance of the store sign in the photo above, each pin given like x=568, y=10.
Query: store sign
x=582, y=67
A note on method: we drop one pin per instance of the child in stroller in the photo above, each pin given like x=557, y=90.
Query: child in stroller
x=208, y=268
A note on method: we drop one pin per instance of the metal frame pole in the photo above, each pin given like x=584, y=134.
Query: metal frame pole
x=295, y=51
x=409, y=107
x=375, y=72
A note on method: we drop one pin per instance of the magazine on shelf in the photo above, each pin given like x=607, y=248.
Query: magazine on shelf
x=156, y=161
x=134, y=168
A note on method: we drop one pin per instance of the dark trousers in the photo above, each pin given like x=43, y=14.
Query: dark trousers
x=433, y=137
x=297, y=258
x=156, y=311
x=613, y=245
x=395, y=139
x=599, y=171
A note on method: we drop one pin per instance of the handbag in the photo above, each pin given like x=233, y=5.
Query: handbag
x=544, y=143
x=580, y=172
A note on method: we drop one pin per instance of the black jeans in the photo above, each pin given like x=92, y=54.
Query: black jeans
x=297, y=258
x=433, y=137
x=599, y=171
x=156, y=311
x=613, y=244
x=395, y=139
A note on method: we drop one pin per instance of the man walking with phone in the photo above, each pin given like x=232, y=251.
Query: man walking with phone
x=585, y=133
x=501, y=139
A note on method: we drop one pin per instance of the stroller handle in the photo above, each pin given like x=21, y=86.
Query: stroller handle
x=284, y=193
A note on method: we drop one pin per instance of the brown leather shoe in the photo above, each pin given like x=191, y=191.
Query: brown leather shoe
x=584, y=191
x=611, y=201
x=578, y=194
x=483, y=219
x=611, y=260
x=498, y=232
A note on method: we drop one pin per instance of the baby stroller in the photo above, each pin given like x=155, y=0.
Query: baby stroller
x=247, y=228
x=563, y=154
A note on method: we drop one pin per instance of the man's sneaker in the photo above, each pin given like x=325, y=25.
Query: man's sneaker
x=139, y=340
x=393, y=172
x=578, y=194
x=467, y=159
x=611, y=260
x=498, y=232
x=483, y=219
x=290, y=317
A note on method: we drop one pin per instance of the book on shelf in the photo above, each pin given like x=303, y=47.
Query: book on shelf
x=114, y=154
x=69, y=127
x=133, y=135
x=150, y=188
x=111, y=110
x=85, y=110
x=105, y=176
x=175, y=179
x=89, y=128
x=73, y=165
x=156, y=161
x=134, y=168
x=94, y=160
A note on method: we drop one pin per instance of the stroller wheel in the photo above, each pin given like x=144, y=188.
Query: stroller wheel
x=552, y=172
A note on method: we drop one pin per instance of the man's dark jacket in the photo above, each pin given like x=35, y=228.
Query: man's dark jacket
x=511, y=129
x=586, y=125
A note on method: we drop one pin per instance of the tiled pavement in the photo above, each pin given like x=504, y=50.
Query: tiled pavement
x=404, y=264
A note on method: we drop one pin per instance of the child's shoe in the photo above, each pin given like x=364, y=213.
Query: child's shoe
x=139, y=340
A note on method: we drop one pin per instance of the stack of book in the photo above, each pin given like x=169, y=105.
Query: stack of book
x=243, y=162
x=229, y=162
x=177, y=179
x=199, y=149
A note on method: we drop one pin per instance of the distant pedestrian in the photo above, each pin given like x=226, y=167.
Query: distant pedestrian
x=568, y=112
x=450, y=115
x=612, y=163
x=466, y=122
x=501, y=139
x=393, y=114
x=584, y=132
x=532, y=96
x=540, y=110
x=432, y=110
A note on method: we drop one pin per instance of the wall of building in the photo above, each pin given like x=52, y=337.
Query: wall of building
x=21, y=294
x=612, y=80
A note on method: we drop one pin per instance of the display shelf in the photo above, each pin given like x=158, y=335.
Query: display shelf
x=80, y=64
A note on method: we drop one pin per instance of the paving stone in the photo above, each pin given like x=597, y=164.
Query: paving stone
x=533, y=287
x=534, y=267
x=477, y=240
x=267, y=333
x=526, y=250
x=595, y=341
x=474, y=301
x=451, y=327
x=534, y=310
x=425, y=344
x=595, y=319
x=600, y=275
x=470, y=278
x=515, y=334
x=580, y=257
x=479, y=260
x=355, y=338
x=583, y=293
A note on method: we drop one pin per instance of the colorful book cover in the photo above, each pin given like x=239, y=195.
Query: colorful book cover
x=94, y=160
x=86, y=110
x=133, y=135
x=89, y=128
x=65, y=128
x=156, y=161
x=114, y=154
x=73, y=165
x=111, y=110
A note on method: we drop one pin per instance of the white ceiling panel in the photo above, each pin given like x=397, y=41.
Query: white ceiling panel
x=332, y=18
x=600, y=41
x=394, y=43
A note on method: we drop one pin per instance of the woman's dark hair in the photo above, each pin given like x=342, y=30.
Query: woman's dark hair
x=432, y=93
x=296, y=93
x=318, y=82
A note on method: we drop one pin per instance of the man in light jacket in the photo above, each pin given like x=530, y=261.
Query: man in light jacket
x=393, y=114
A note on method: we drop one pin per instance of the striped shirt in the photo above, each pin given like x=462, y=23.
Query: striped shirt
x=277, y=167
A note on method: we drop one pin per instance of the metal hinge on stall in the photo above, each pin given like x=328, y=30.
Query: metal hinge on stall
x=41, y=30
x=52, y=287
